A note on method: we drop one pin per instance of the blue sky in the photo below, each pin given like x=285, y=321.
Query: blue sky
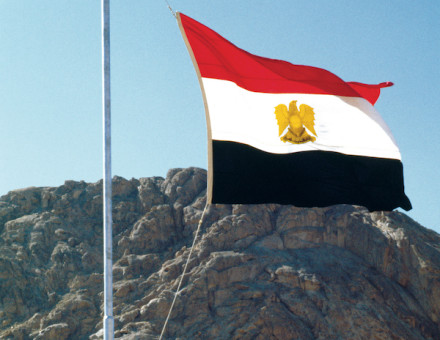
x=50, y=81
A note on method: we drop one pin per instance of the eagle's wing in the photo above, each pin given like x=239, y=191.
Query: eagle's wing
x=308, y=117
x=282, y=117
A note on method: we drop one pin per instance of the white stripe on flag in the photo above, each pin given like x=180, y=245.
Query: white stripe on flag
x=348, y=125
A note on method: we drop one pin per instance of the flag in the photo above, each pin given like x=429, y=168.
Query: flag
x=291, y=134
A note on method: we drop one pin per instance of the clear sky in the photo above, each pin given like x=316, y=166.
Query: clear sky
x=50, y=81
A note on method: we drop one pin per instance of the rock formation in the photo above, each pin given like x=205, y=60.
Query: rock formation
x=257, y=272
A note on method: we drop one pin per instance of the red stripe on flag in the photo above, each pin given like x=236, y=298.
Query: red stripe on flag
x=218, y=58
x=369, y=92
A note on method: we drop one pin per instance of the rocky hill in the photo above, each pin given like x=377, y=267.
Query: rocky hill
x=258, y=271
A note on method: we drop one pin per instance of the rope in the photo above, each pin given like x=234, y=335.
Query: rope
x=171, y=10
x=183, y=274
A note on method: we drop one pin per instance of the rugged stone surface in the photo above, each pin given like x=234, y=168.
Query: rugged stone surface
x=257, y=272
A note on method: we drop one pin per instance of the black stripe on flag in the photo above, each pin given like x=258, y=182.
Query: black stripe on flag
x=246, y=175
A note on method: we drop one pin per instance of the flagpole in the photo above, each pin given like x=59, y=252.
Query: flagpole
x=108, y=321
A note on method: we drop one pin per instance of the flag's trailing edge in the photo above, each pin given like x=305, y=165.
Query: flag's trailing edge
x=290, y=134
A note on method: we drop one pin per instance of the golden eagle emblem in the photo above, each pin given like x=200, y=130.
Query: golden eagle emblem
x=297, y=121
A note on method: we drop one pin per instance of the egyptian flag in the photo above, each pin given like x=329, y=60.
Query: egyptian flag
x=290, y=134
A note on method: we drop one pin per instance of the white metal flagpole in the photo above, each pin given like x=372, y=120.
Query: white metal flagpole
x=108, y=321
